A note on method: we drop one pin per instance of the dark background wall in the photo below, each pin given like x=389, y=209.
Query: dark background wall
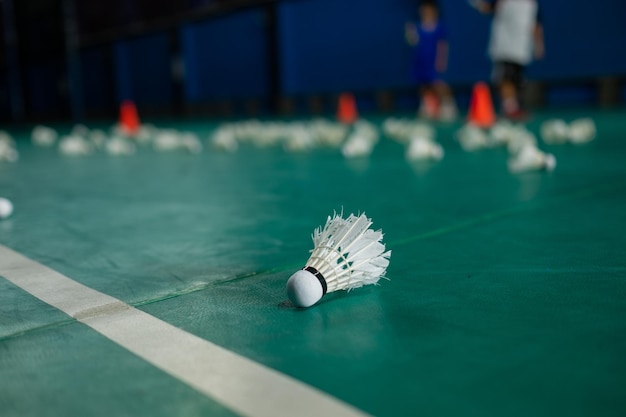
x=198, y=52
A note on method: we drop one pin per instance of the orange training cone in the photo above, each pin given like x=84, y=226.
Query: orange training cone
x=346, y=109
x=481, y=111
x=129, y=120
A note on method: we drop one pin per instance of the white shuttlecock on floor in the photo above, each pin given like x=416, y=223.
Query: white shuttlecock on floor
x=74, y=146
x=167, y=140
x=145, y=134
x=347, y=254
x=554, y=131
x=191, y=142
x=44, y=136
x=119, y=146
x=357, y=145
x=6, y=137
x=520, y=139
x=299, y=140
x=80, y=130
x=530, y=158
x=367, y=129
x=98, y=138
x=501, y=133
x=224, y=139
x=328, y=133
x=582, y=131
x=6, y=208
x=472, y=138
x=424, y=149
x=8, y=153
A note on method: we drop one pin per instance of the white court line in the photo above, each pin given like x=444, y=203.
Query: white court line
x=236, y=382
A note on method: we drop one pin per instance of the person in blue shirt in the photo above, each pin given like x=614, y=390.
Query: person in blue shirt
x=430, y=60
x=516, y=39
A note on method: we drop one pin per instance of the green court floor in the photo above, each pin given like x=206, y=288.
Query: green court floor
x=506, y=293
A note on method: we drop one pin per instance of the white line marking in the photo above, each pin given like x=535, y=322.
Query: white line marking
x=238, y=383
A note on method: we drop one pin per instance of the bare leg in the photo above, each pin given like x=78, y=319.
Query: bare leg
x=447, y=110
x=508, y=95
x=429, y=105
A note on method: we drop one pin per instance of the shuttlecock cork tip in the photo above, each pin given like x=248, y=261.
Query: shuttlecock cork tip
x=304, y=288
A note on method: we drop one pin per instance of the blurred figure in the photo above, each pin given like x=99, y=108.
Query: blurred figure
x=430, y=59
x=516, y=37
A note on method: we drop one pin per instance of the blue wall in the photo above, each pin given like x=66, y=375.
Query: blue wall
x=143, y=70
x=327, y=46
x=330, y=45
x=226, y=58
x=97, y=79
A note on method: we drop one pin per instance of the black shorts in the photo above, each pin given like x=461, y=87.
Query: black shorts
x=508, y=71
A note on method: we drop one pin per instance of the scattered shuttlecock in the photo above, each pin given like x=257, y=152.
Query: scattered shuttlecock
x=98, y=138
x=501, y=133
x=520, y=139
x=224, y=139
x=44, y=136
x=299, y=140
x=145, y=134
x=119, y=146
x=6, y=208
x=582, y=131
x=347, y=254
x=529, y=158
x=421, y=148
x=366, y=129
x=8, y=153
x=401, y=130
x=191, y=143
x=472, y=138
x=6, y=138
x=357, y=145
x=80, y=130
x=554, y=131
x=167, y=140
x=74, y=146
x=327, y=133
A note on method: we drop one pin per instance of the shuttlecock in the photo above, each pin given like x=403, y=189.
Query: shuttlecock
x=44, y=136
x=582, y=131
x=421, y=148
x=80, y=130
x=167, y=140
x=8, y=153
x=366, y=129
x=472, y=137
x=119, y=146
x=74, y=146
x=520, y=139
x=328, y=133
x=225, y=139
x=357, y=145
x=191, y=143
x=554, y=131
x=299, y=140
x=529, y=158
x=98, y=138
x=347, y=254
x=501, y=133
x=5, y=137
x=6, y=208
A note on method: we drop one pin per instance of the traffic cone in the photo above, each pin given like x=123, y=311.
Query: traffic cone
x=346, y=109
x=129, y=120
x=481, y=111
